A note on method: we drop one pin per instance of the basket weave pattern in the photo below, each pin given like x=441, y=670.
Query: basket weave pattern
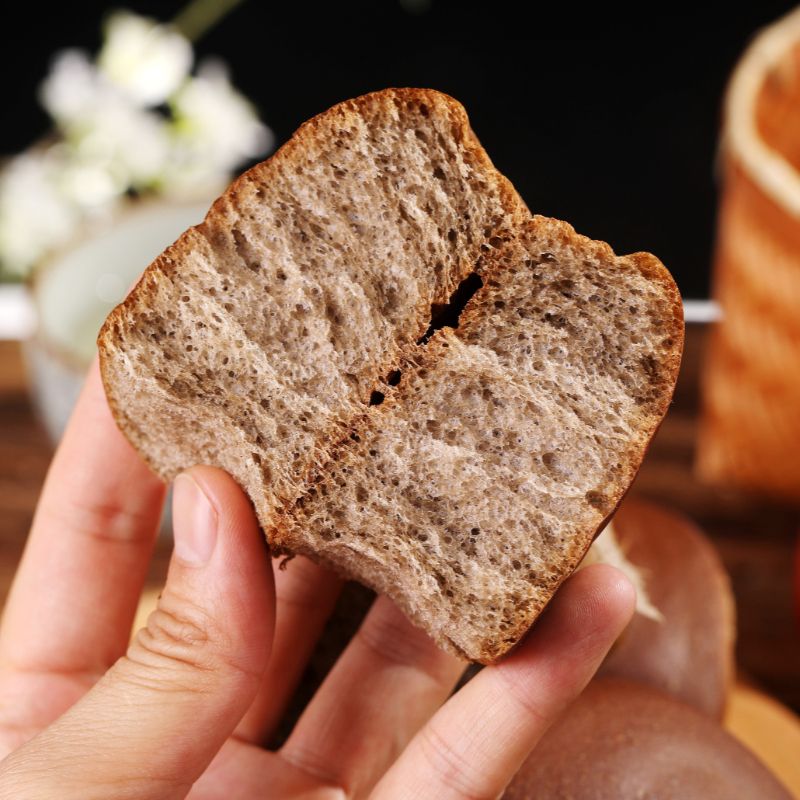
x=750, y=431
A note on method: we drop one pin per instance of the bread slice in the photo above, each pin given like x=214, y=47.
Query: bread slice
x=476, y=487
x=288, y=339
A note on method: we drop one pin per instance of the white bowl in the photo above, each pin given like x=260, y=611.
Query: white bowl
x=74, y=291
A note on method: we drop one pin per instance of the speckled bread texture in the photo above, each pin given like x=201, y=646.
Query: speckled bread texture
x=627, y=741
x=257, y=341
x=481, y=481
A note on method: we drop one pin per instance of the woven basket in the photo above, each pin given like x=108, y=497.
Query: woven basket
x=750, y=428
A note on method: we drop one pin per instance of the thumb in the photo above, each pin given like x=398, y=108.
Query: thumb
x=153, y=723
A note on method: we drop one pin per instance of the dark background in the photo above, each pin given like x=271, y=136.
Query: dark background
x=605, y=117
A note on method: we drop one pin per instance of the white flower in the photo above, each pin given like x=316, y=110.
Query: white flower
x=89, y=185
x=73, y=87
x=35, y=216
x=105, y=129
x=146, y=60
x=112, y=137
x=132, y=144
x=216, y=128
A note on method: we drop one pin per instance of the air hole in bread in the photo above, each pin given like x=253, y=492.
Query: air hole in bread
x=446, y=315
x=596, y=499
x=443, y=315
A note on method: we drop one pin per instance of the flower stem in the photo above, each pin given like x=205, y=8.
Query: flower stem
x=199, y=16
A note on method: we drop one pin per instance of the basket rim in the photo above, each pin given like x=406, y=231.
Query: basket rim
x=773, y=173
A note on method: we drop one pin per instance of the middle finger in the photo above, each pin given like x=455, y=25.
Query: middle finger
x=387, y=683
x=305, y=595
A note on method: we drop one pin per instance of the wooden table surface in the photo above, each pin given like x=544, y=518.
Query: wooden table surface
x=756, y=538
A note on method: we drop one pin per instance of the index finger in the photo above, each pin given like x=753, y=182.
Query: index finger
x=74, y=597
x=474, y=745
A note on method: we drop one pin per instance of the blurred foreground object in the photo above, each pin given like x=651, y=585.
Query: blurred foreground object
x=750, y=431
x=630, y=741
x=688, y=650
x=75, y=289
x=140, y=146
x=134, y=121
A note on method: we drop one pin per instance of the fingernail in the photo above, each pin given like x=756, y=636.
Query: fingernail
x=194, y=523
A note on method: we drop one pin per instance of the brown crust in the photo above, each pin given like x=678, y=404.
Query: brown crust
x=652, y=268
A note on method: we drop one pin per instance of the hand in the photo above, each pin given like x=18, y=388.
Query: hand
x=184, y=711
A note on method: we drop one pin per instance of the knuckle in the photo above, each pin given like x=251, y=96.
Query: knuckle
x=115, y=523
x=176, y=639
x=174, y=628
x=317, y=767
x=183, y=647
x=518, y=686
x=450, y=767
x=387, y=633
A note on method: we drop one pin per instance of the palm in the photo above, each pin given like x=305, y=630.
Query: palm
x=232, y=774
x=30, y=701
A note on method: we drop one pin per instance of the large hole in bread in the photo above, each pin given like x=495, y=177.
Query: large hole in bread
x=442, y=316
x=446, y=316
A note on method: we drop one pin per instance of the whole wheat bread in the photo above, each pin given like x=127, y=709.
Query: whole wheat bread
x=289, y=340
